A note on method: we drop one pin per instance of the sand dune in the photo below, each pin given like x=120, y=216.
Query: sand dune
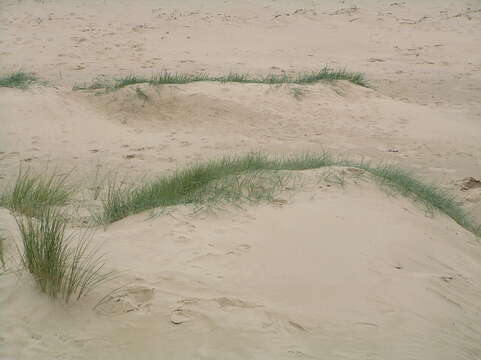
x=269, y=281
x=326, y=270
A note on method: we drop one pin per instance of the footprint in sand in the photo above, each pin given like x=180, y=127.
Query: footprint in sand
x=180, y=316
x=133, y=298
x=239, y=250
x=225, y=311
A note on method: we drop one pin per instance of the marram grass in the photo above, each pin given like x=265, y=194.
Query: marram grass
x=325, y=74
x=18, y=79
x=213, y=181
x=64, y=266
x=32, y=192
x=2, y=255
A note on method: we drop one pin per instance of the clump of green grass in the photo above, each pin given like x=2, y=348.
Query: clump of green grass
x=18, y=79
x=98, y=182
x=64, y=267
x=251, y=177
x=213, y=180
x=430, y=195
x=297, y=92
x=2, y=255
x=227, y=179
x=325, y=74
x=32, y=192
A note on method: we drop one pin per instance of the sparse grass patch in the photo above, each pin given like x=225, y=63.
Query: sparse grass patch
x=18, y=79
x=334, y=178
x=97, y=184
x=63, y=266
x=325, y=74
x=141, y=95
x=430, y=195
x=297, y=92
x=229, y=178
x=2, y=254
x=32, y=192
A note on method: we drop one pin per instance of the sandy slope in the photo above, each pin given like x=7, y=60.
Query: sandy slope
x=289, y=281
x=334, y=273
x=183, y=123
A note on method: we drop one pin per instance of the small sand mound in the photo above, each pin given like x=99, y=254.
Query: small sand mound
x=169, y=105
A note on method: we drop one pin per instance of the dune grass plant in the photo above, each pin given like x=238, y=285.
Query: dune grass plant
x=433, y=197
x=18, y=79
x=209, y=183
x=212, y=181
x=2, y=251
x=64, y=265
x=325, y=74
x=34, y=191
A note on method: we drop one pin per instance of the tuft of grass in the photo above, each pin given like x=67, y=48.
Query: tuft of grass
x=297, y=92
x=18, y=79
x=334, y=178
x=62, y=269
x=96, y=84
x=235, y=77
x=97, y=184
x=2, y=255
x=325, y=74
x=430, y=195
x=32, y=192
x=226, y=179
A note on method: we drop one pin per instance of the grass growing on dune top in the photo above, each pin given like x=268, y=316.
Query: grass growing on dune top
x=325, y=74
x=227, y=179
x=33, y=191
x=2, y=256
x=18, y=79
x=431, y=196
x=213, y=181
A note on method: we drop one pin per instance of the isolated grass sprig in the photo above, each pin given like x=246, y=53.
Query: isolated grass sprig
x=325, y=74
x=2, y=255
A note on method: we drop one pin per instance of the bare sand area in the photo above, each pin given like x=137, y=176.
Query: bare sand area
x=332, y=269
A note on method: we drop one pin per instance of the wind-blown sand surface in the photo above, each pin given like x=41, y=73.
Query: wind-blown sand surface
x=324, y=272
